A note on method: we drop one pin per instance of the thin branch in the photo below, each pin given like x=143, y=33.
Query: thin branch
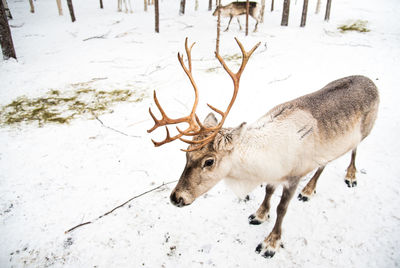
x=113, y=129
x=120, y=206
x=17, y=26
x=79, y=225
x=279, y=80
x=103, y=36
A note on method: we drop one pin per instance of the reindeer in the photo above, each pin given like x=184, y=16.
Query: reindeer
x=281, y=147
x=236, y=9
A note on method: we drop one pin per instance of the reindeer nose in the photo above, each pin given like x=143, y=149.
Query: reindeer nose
x=177, y=201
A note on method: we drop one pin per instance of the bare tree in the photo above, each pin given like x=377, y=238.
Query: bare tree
x=7, y=10
x=218, y=26
x=328, y=9
x=32, y=6
x=182, y=7
x=59, y=6
x=7, y=45
x=262, y=10
x=285, y=13
x=272, y=5
x=318, y=7
x=304, y=13
x=71, y=10
x=247, y=16
x=157, y=16
x=196, y=5
x=209, y=5
x=101, y=4
x=145, y=5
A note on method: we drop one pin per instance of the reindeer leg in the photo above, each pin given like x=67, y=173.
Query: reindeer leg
x=262, y=214
x=350, y=179
x=271, y=243
x=257, y=20
x=240, y=26
x=227, y=28
x=130, y=6
x=255, y=27
x=126, y=6
x=309, y=189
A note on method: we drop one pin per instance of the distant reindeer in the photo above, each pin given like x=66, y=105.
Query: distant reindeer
x=126, y=6
x=280, y=148
x=235, y=9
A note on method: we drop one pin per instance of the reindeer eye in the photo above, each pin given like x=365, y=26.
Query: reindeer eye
x=209, y=163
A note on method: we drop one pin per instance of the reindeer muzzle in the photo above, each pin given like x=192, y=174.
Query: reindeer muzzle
x=177, y=201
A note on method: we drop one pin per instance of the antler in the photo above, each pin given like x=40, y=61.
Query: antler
x=195, y=127
x=191, y=119
x=236, y=79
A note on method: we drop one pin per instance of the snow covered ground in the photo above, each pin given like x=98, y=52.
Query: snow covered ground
x=57, y=176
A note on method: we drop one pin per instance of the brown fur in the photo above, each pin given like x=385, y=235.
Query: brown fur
x=343, y=101
x=309, y=189
x=331, y=120
x=236, y=9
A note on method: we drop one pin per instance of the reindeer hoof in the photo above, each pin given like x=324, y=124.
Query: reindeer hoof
x=254, y=220
x=303, y=198
x=350, y=183
x=259, y=248
x=268, y=253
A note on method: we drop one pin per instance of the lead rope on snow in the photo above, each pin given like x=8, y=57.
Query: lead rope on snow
x=120, y=206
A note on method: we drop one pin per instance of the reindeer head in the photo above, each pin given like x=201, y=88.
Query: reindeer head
x=207, y=157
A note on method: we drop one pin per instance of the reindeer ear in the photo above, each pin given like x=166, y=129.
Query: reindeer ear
x=210, y=121
x=226, y=138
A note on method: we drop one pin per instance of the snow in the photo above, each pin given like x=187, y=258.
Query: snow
x=57, y=176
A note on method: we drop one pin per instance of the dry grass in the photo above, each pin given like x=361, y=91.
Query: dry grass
x=235, y=58
x=357, y=26
x=63, y=107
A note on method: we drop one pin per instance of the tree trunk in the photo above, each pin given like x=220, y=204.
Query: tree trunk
x=6, y=42
x=157, y=16
x=32, y=6
x=328, y=10
x=209, y=5
x=247, y=16
x=101, y=4
x=317, y=9
x=272, y=5
x=285, y=13
x=145, y=5
x=196, y=5
x=182, y=7
x=7, y=10
x=304, y=14
x=262, y=10
x=218, y=26
x=71, y=10
x=59, y=6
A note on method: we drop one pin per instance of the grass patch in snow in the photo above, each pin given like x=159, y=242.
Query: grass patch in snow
x=358, y=26
x=236, y=58
x=63, y=107
x=233, y=57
